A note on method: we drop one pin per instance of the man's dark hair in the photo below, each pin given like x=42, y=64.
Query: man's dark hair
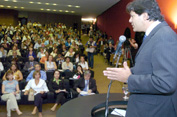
x=146, y=6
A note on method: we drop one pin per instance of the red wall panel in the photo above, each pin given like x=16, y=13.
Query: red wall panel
x=115, y=20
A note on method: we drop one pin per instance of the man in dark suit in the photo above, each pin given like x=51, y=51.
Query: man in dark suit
x=29, y=66
x=86, y=84
x=152, y=82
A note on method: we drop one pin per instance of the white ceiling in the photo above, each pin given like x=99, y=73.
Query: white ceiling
x=87, y=8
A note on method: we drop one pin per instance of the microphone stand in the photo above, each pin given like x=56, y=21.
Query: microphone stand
x=109, y=86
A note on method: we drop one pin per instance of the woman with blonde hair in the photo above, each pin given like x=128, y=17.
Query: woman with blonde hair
x=40, y=87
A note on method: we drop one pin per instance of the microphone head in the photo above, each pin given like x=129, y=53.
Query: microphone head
x=122, y=38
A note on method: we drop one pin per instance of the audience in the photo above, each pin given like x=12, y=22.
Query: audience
x=56, y=41
x=29, y=66
x=44, y=58
x=67, y=66
x=83, y=63
x=56, y=85
x=10, y=89
x=40, y=87
x=17, y=74
x=86, y=84
x=50, y=65
x=38, y=69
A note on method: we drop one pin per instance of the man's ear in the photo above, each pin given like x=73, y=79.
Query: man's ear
x=145, y=16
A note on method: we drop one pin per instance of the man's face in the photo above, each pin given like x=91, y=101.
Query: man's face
x=87, y=76
x=137, y=21
x=37, y=67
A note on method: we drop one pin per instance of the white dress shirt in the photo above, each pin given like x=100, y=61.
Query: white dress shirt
x=41, y=86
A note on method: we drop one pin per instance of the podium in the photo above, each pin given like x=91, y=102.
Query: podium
x=91, y=106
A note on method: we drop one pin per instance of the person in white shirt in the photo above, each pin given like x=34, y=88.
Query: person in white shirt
x=70, y=53
x=50, y=65
x=40, y=88
x=83, y=63
x=67, y=66
x=37, y=44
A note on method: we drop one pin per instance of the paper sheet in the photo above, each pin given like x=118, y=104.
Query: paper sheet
x=119, y=112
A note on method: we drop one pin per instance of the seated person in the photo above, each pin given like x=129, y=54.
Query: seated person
x=29, y=66
x=44, y=58
x=37, y=44
x=50, y=65
x=17, y=74
x=56, y=85
x=40, y=88
x=40, y=53
x=14, y=55
x=67, y=66
x=59, y=59
x=83, y=63
x=37, y=68
x=14, y=48
x=70, y=53
x=79, y=73
x=10, y=88
x=31, y=52
x=54, y=52
x=86, y=84
x=3, y=52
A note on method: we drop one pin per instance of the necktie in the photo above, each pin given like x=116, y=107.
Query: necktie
x=86, y=85
x=144, y=37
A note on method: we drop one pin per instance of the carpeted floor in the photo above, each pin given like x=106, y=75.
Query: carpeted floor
x=101, y=81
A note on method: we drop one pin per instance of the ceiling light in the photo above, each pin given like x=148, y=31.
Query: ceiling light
x=14, y=1
x=6, y=0
x=15, y=7
x=89, y=19
x=38, y=2
x=66, y=11
x=31, y=2
x=72, y=11
x=8, y=6
x=54, y=4
x=69, y=5
x=48, y=9
x=22, y=7
x=47, y=3
x=42, y=9
x=77, y=6
x=54, y=10
x=1, y=5
x=61, y=10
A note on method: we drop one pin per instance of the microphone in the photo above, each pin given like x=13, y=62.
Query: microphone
x=122, y=39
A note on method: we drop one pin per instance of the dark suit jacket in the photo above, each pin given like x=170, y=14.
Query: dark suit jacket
x=27, y=65
x=153, y=83
x=81, y=84
x=53, y=86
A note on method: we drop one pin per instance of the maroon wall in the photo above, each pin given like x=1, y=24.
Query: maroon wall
x=115, y=19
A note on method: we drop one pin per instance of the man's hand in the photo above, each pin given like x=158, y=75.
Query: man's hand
x=89, y=91
x=119, y=74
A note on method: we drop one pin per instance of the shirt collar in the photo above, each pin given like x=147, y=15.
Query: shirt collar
x=151, y=27
x=54, y=80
